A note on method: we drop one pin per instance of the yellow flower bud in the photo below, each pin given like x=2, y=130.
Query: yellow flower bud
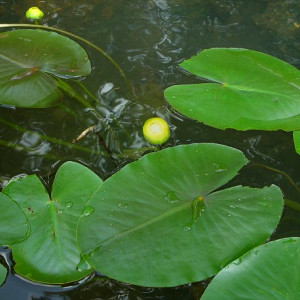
x=34, y=13
x=156, y=131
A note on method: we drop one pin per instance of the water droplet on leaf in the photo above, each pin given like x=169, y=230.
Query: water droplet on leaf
x=88, y=210
x=187, y=227
x=69, y=204
x=225, y=262
x=83, y=265
x=171, y=197
x=237, y=261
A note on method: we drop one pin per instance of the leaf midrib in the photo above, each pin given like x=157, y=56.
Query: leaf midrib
x=255, y=90
x=145, y=223
x=13, y=61
x=57, y=237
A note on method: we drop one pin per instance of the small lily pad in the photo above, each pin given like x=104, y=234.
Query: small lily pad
x=50, y=253
x=29, y=58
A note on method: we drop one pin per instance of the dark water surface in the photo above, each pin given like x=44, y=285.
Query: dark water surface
x=148, y=39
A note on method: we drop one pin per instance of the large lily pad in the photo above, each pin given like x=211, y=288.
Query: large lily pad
x=3, y=274
x=50, y=253
x=249, y=90
x=268, y=272
x=26, y=56
x=157, y=221
x=13, y=222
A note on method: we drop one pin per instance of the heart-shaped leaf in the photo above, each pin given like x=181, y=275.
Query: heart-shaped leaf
x=157, y=223
x=251, y=90
x=25, y=56
x=268, y=272
x=50, y=253
x=13, y=222
x=296, y=136
x=3, y=274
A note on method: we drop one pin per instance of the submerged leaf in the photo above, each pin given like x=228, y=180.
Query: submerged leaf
x=268, y=272
x=249, y=90
x=157, y=221
x=25, y=56
x=50, y=253
x=3, y=274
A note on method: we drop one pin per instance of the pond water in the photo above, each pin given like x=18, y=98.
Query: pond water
x=148, y=39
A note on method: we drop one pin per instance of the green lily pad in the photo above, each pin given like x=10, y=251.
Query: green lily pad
x=12, y=231
x=296, y=136
x=249, y=90
x=50, y=253
x=3, y=274
x=268, y=272
x=28, y=56
x=157, y=221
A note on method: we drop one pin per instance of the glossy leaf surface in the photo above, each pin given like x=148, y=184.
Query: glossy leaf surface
x=248, y=90
x=26, y=56
x=13, y=222
x=3, y=274
x=50, y=253
x=268, y=272
x=157, y=223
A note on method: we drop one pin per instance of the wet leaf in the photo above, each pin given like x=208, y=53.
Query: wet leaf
x=158, y=222
x=268, y=272
x=27, y=59
x=50, y=253
x=247, y=90
x=13, y=222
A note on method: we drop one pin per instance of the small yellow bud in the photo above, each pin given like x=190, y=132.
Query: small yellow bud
x=156, y=131
x=34, y=13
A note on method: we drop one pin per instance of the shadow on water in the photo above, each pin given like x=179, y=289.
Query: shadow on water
x=148, y=39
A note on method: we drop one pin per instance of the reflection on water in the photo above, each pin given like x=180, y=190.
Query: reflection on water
x=148, y=39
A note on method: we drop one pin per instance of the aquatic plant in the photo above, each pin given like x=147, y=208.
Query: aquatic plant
x=29, y=59
x=52, y=221
x=246, y=90
x=161, y=213
x=156, y=131
x=34, y=13
x=163, y=220
x=270, y=271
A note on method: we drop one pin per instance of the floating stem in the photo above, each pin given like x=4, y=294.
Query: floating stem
x=288, y=177
x=47, y=138
x=69, y=90
x=86, y=90
x=24, y=149
x=292, y=204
